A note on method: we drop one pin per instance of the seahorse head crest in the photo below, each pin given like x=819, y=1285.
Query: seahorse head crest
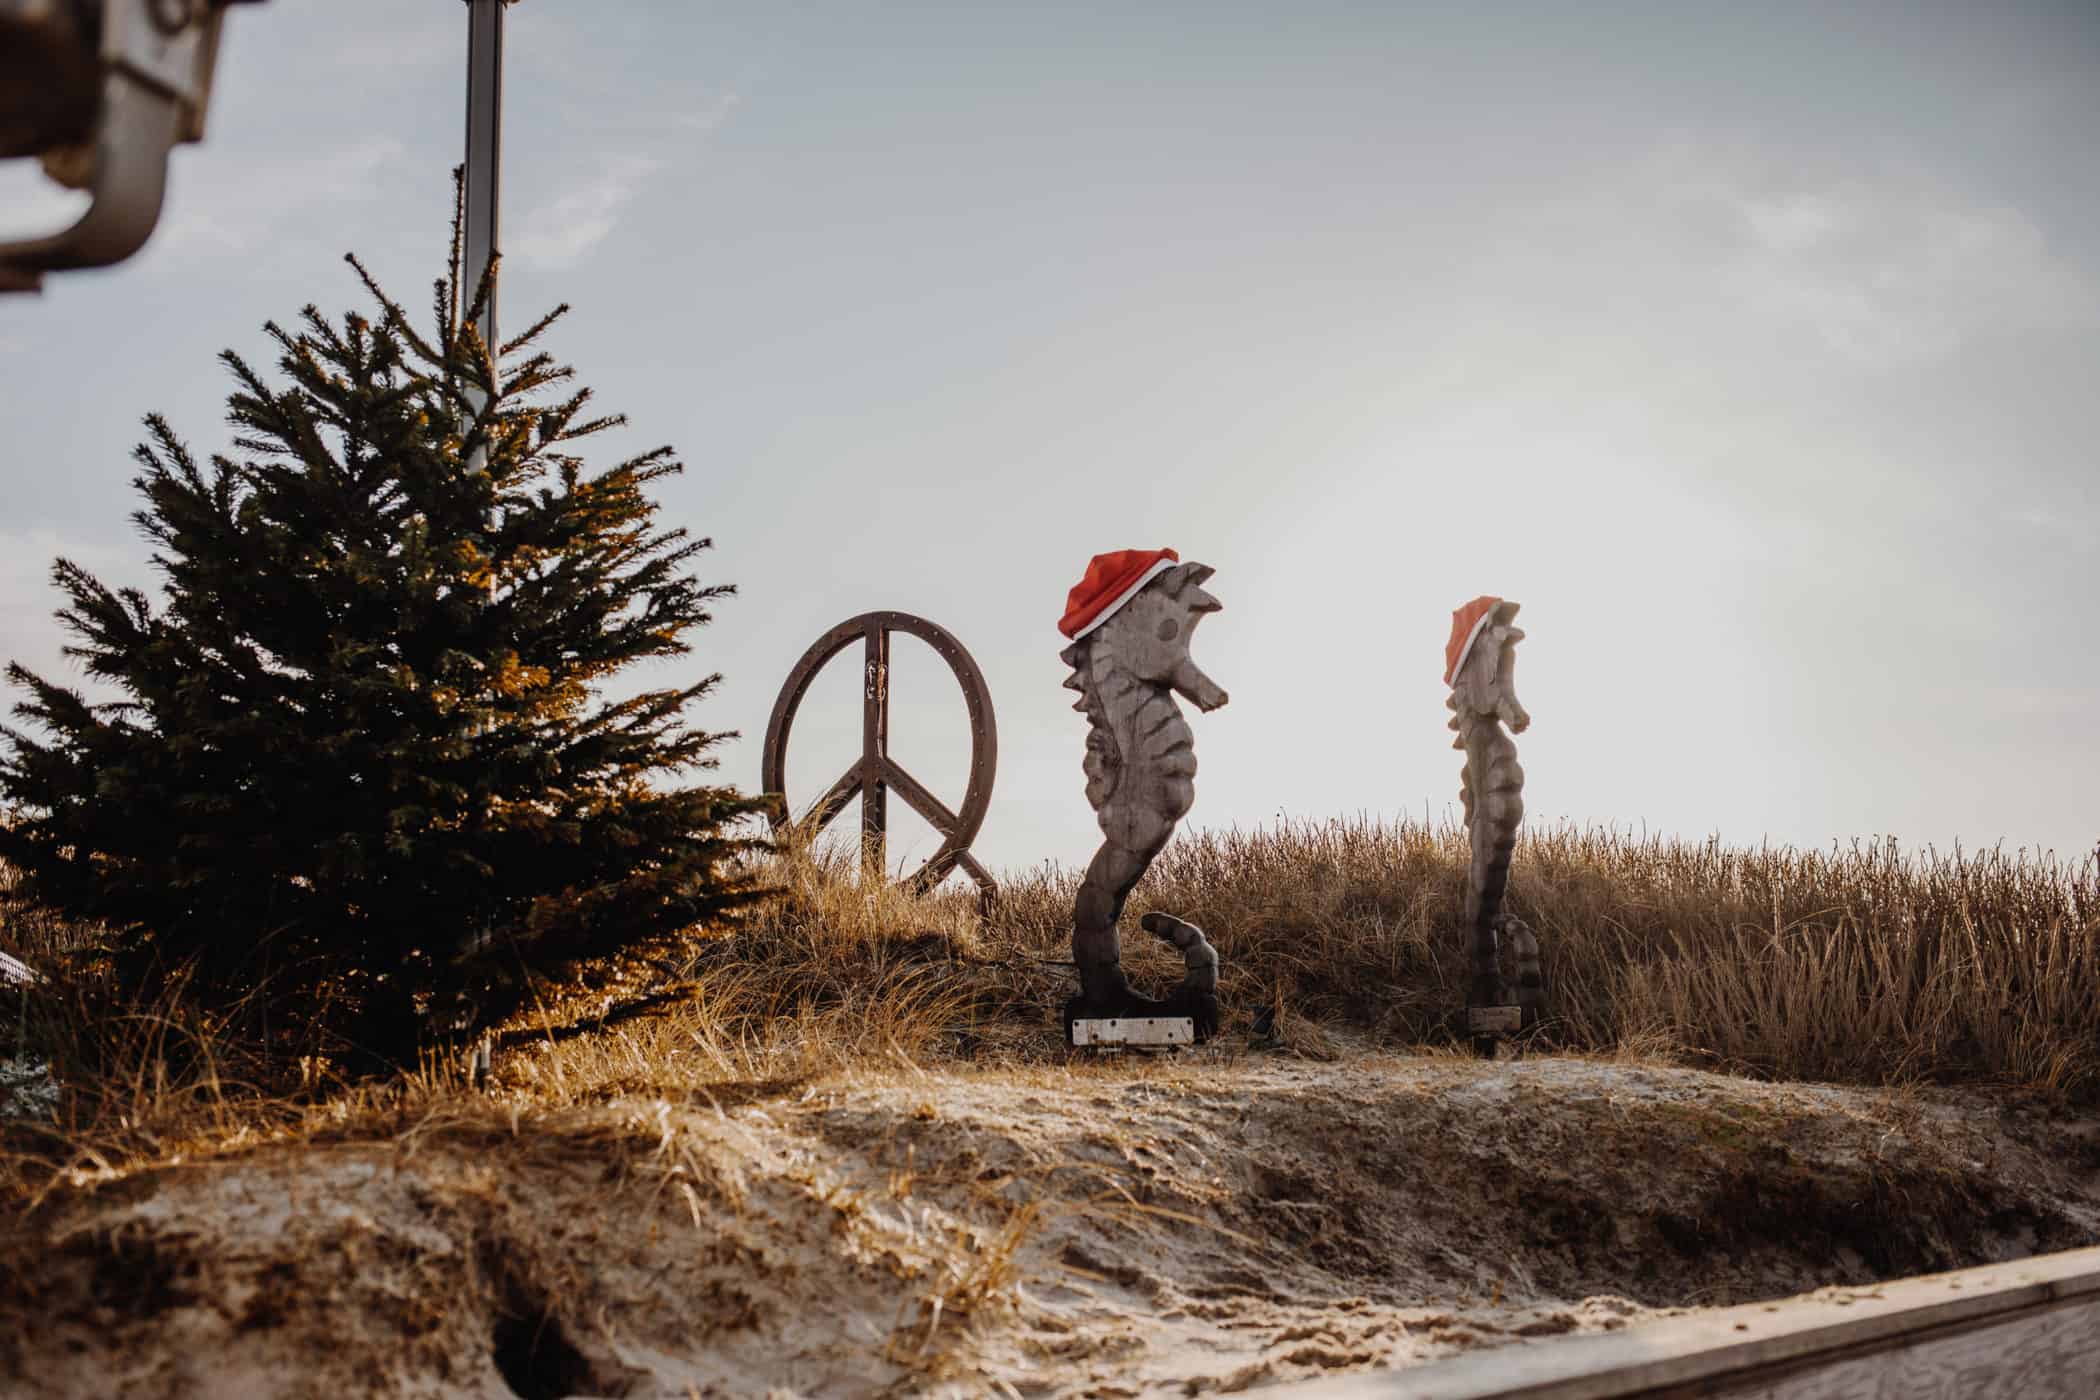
x=1482, y=657
x=1150, y=634
x=1148, y=637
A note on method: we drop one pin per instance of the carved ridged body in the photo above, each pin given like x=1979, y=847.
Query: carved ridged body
x=1483, y=701
x=1492, y=789
x=1140, y=770
x=1140, y=767
x=1138, y=744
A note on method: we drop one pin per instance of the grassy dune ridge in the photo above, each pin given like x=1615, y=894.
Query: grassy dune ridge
x=1861, y=965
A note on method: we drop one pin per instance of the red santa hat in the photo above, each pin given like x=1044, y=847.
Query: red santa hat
x=1111, y=581
x=1467, y=623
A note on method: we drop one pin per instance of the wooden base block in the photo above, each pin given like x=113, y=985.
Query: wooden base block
x=1494, y=1020
x=1133, y=1030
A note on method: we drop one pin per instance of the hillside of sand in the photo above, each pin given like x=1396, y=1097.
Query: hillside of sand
x=1214, y=1220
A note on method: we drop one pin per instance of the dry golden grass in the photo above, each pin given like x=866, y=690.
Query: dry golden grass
x=1859, y=965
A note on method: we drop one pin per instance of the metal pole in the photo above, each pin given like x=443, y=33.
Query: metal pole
x=874, y=747
x=484, y=169
x=484, y=148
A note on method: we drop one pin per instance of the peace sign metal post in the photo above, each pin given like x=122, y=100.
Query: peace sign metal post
x=875, y=773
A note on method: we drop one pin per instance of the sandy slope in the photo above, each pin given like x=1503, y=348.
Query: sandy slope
x=1212, y=1222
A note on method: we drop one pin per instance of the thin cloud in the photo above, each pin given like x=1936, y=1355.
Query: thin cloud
x=710, y=116
x=1797, y=222
x=1728, y=243
x=1882, y=270
x=559, y=233
x=239, y=206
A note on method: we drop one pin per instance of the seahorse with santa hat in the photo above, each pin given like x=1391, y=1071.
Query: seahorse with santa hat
x=1480, y=666
x=1129, y=621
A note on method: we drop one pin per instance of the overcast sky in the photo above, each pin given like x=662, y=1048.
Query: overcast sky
x=1752, y=348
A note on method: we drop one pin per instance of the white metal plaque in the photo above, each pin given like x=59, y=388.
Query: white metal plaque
x=1134, y=1030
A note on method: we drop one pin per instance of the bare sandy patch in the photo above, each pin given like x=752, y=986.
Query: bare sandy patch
x=1205, y=1222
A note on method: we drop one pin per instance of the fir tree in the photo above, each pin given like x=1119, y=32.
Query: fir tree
x=364, y=771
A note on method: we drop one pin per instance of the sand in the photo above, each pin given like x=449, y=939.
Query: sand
x=1210, y=1221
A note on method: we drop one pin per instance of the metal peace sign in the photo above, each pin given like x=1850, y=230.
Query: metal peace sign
x=872, y=777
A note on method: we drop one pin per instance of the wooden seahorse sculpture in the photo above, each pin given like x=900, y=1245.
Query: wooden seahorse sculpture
x=1482, y=663
x=1140, y=779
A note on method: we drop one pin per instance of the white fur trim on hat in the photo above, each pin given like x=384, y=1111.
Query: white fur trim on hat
x=1479, y=625
x=1159, y=567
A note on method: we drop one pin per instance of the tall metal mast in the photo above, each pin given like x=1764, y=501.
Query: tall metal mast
x=484, y=167
x=484, y=148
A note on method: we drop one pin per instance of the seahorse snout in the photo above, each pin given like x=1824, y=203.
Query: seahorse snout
x=1198, y=689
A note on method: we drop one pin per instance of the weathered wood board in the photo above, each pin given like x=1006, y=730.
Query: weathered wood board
x=1134, y=1030
x=2028, y=1329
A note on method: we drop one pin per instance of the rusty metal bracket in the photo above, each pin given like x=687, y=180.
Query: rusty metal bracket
x=875, y=773
x=102, y=90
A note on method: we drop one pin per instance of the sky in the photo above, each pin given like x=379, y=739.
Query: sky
x=1751, y=348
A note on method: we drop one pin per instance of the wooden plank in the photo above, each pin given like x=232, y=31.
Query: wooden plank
x=1134, y=1030
x=2028, y=1328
